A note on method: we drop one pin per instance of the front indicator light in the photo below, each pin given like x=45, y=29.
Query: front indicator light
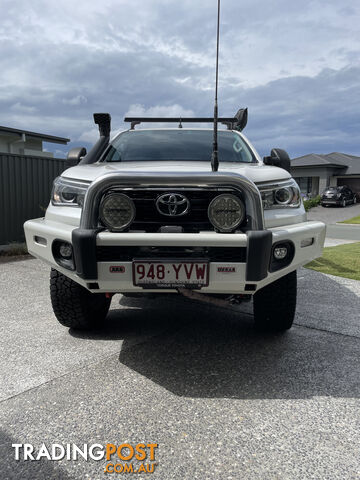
x=306, y=242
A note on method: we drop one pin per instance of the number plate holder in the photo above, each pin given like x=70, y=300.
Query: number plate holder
x=192, y=273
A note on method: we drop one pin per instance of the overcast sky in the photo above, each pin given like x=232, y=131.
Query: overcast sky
x=295, y=65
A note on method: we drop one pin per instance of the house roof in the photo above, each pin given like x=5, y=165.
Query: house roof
x=46, y=138
x=350, y=163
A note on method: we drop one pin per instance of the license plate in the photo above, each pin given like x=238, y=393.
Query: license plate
x=169, y=274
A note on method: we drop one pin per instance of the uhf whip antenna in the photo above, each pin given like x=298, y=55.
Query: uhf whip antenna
x=214, y=156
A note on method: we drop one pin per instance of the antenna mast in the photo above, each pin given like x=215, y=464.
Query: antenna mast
x=214, y=156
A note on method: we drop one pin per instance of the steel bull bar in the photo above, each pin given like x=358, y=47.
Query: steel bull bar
x=259, y=241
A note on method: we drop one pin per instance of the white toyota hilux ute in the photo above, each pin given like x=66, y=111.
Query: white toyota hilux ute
x=145, y=214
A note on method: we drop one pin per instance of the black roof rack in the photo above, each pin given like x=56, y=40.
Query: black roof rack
x=238, y=122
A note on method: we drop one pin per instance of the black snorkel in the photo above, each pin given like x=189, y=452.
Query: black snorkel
x=103, y=120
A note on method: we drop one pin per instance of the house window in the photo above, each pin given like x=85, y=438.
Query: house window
x=305, y=184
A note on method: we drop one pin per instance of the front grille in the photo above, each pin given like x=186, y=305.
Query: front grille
x=149, y=219
x=213, y=254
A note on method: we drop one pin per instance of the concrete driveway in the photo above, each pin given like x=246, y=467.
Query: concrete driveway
x=331, y=215
x=337, y=234
x=222, y=401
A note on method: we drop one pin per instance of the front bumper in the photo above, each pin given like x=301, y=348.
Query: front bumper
x=247, y=276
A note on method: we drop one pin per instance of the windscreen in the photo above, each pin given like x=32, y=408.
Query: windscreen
x=177, y=145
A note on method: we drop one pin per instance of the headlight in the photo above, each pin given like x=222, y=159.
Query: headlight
x=278, y=196
x=117, y=211
x=226, y=212
x=283, y=196
x=70, y=193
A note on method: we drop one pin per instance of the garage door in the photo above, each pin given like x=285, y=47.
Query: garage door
x=353, y=183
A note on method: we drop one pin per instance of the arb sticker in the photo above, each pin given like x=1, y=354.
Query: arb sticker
x=117, y=269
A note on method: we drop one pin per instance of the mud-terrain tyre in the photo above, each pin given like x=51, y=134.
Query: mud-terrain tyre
x=73, y=305
x=275, y=304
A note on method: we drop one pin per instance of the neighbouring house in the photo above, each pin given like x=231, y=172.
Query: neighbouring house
x=314, y=172
x=24, y=142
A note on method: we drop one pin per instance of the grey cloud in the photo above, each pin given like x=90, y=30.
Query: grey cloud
x=290, y=64
x=308, y=114
x=78, y=100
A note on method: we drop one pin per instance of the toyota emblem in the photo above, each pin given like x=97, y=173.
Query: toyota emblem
x=172, y=204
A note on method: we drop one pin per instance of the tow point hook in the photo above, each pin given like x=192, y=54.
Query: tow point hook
x=215, y=300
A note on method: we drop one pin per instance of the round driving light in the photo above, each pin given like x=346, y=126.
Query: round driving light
x=117, y=211
x=226, y=212
x=65, y=250
x=280, y=253
x=283, y=196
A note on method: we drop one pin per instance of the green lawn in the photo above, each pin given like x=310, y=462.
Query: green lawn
x=352, y=220
x=342, y=261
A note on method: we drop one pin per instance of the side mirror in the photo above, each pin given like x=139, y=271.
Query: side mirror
x=278, y=158
x=75, y=155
